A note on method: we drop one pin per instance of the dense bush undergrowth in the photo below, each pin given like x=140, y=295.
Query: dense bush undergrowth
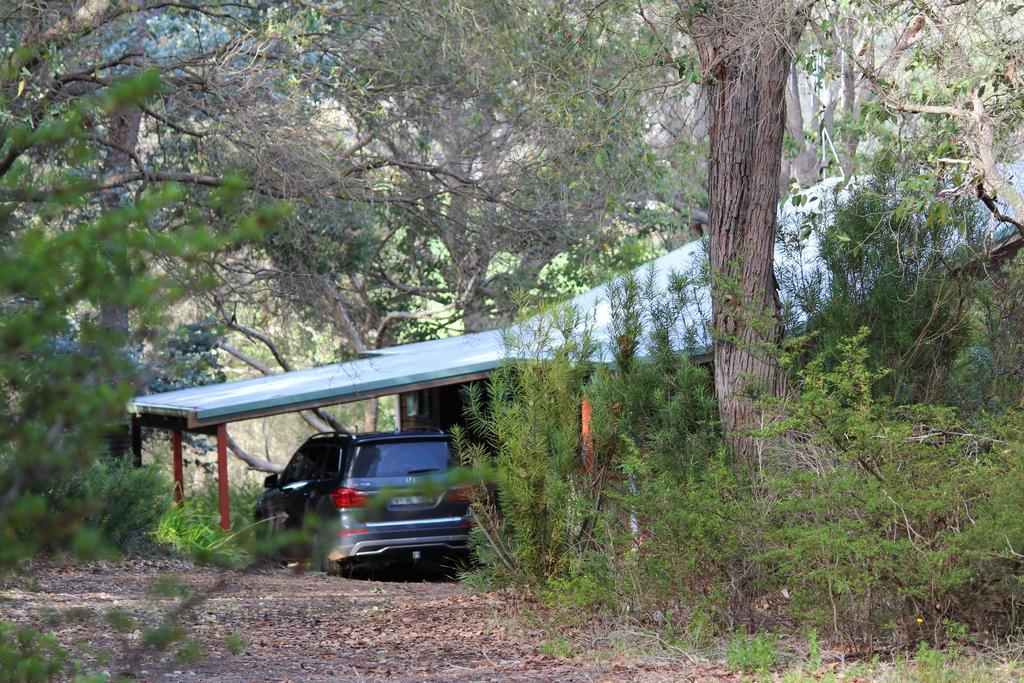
x=877, y=521
x=117, y=508
x=109, y=505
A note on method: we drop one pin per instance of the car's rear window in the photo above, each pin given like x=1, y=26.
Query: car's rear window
x=399, y=459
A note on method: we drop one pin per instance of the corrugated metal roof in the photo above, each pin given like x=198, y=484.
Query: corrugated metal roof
x=393, y=369
x=388, y=371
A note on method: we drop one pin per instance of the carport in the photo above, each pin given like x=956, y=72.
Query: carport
x=407, y=371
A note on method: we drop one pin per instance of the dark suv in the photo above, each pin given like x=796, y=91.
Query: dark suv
x=375, y=496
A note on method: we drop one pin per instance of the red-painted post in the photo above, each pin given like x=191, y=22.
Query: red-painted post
x=587, y=435
x=222, y=477
x=179, y=473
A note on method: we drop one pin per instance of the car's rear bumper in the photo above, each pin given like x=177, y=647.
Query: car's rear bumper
x=376, y=548
x=389, y=538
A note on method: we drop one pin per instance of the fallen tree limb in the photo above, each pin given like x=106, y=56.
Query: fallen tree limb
x=258, y=464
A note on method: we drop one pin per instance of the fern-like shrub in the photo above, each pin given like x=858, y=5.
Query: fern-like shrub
x=524, y=435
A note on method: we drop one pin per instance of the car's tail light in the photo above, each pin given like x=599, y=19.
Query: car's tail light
x=349, y=498
x=459, y=494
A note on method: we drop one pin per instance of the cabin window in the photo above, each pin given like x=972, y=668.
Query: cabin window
x=417, y=403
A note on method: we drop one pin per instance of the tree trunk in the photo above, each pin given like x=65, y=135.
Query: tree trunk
x=747, y=115
x=370, y=415
x=123, y=134
x=122, y=140
x=805, y=167
x=851, y=107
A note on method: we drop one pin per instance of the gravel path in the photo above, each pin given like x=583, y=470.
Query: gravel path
x=272, y=624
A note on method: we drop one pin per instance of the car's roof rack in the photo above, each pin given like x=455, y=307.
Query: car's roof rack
x=332, y=434
x=432, y=431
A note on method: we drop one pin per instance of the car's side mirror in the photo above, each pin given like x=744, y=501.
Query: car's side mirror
x=270, y=482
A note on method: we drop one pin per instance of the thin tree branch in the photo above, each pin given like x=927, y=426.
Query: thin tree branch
x=262, y=368
x=410, y=315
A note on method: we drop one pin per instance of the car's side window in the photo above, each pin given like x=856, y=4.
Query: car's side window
x=299, y=468
x=327, y=461
x=314, y=461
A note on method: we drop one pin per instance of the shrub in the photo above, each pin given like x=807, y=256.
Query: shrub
x=874, y=541
x=539, y=510
x=870, y=519
x=989, y=372
x=888, y=261
x=28, y=656
x=641, y=520
x=112, y=505
x=743, y=653
x=190, y=529
x=673, y=515
x=193, y=528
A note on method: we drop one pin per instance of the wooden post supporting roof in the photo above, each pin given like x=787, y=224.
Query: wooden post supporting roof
x=179, y=474
x=222, y=477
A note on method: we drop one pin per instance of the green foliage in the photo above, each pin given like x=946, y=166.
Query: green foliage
x=64, y=373
x=538, y=510
x=193, y=528
x=872, y=534
x=188, y=358
x=121, y=503
x=557, y=647
x=235, y=644
x=744, y=653
x=889, y=256
x=583, y=589
x=28, y=656
x=870, y=520
x=931, y=664
x=813, y=650
x=652, y=469
x=189, y=652
x=655, y=438
x=989, y=372
x=111, y=506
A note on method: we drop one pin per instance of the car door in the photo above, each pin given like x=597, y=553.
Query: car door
x=313, y=468
x=291, y=486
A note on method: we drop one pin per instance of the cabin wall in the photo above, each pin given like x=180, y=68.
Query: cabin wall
x=436, y=408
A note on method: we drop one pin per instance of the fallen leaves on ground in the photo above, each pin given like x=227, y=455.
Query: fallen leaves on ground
x=275, y=624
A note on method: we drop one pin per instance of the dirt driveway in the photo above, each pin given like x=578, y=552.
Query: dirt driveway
x=271, y=624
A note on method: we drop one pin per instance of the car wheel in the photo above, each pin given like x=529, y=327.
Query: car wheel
x=321, y=552
x=342, y=568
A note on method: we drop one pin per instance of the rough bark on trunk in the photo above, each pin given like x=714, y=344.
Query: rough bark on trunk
x=747, y=116
x=370, y=415
x=851, y=107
